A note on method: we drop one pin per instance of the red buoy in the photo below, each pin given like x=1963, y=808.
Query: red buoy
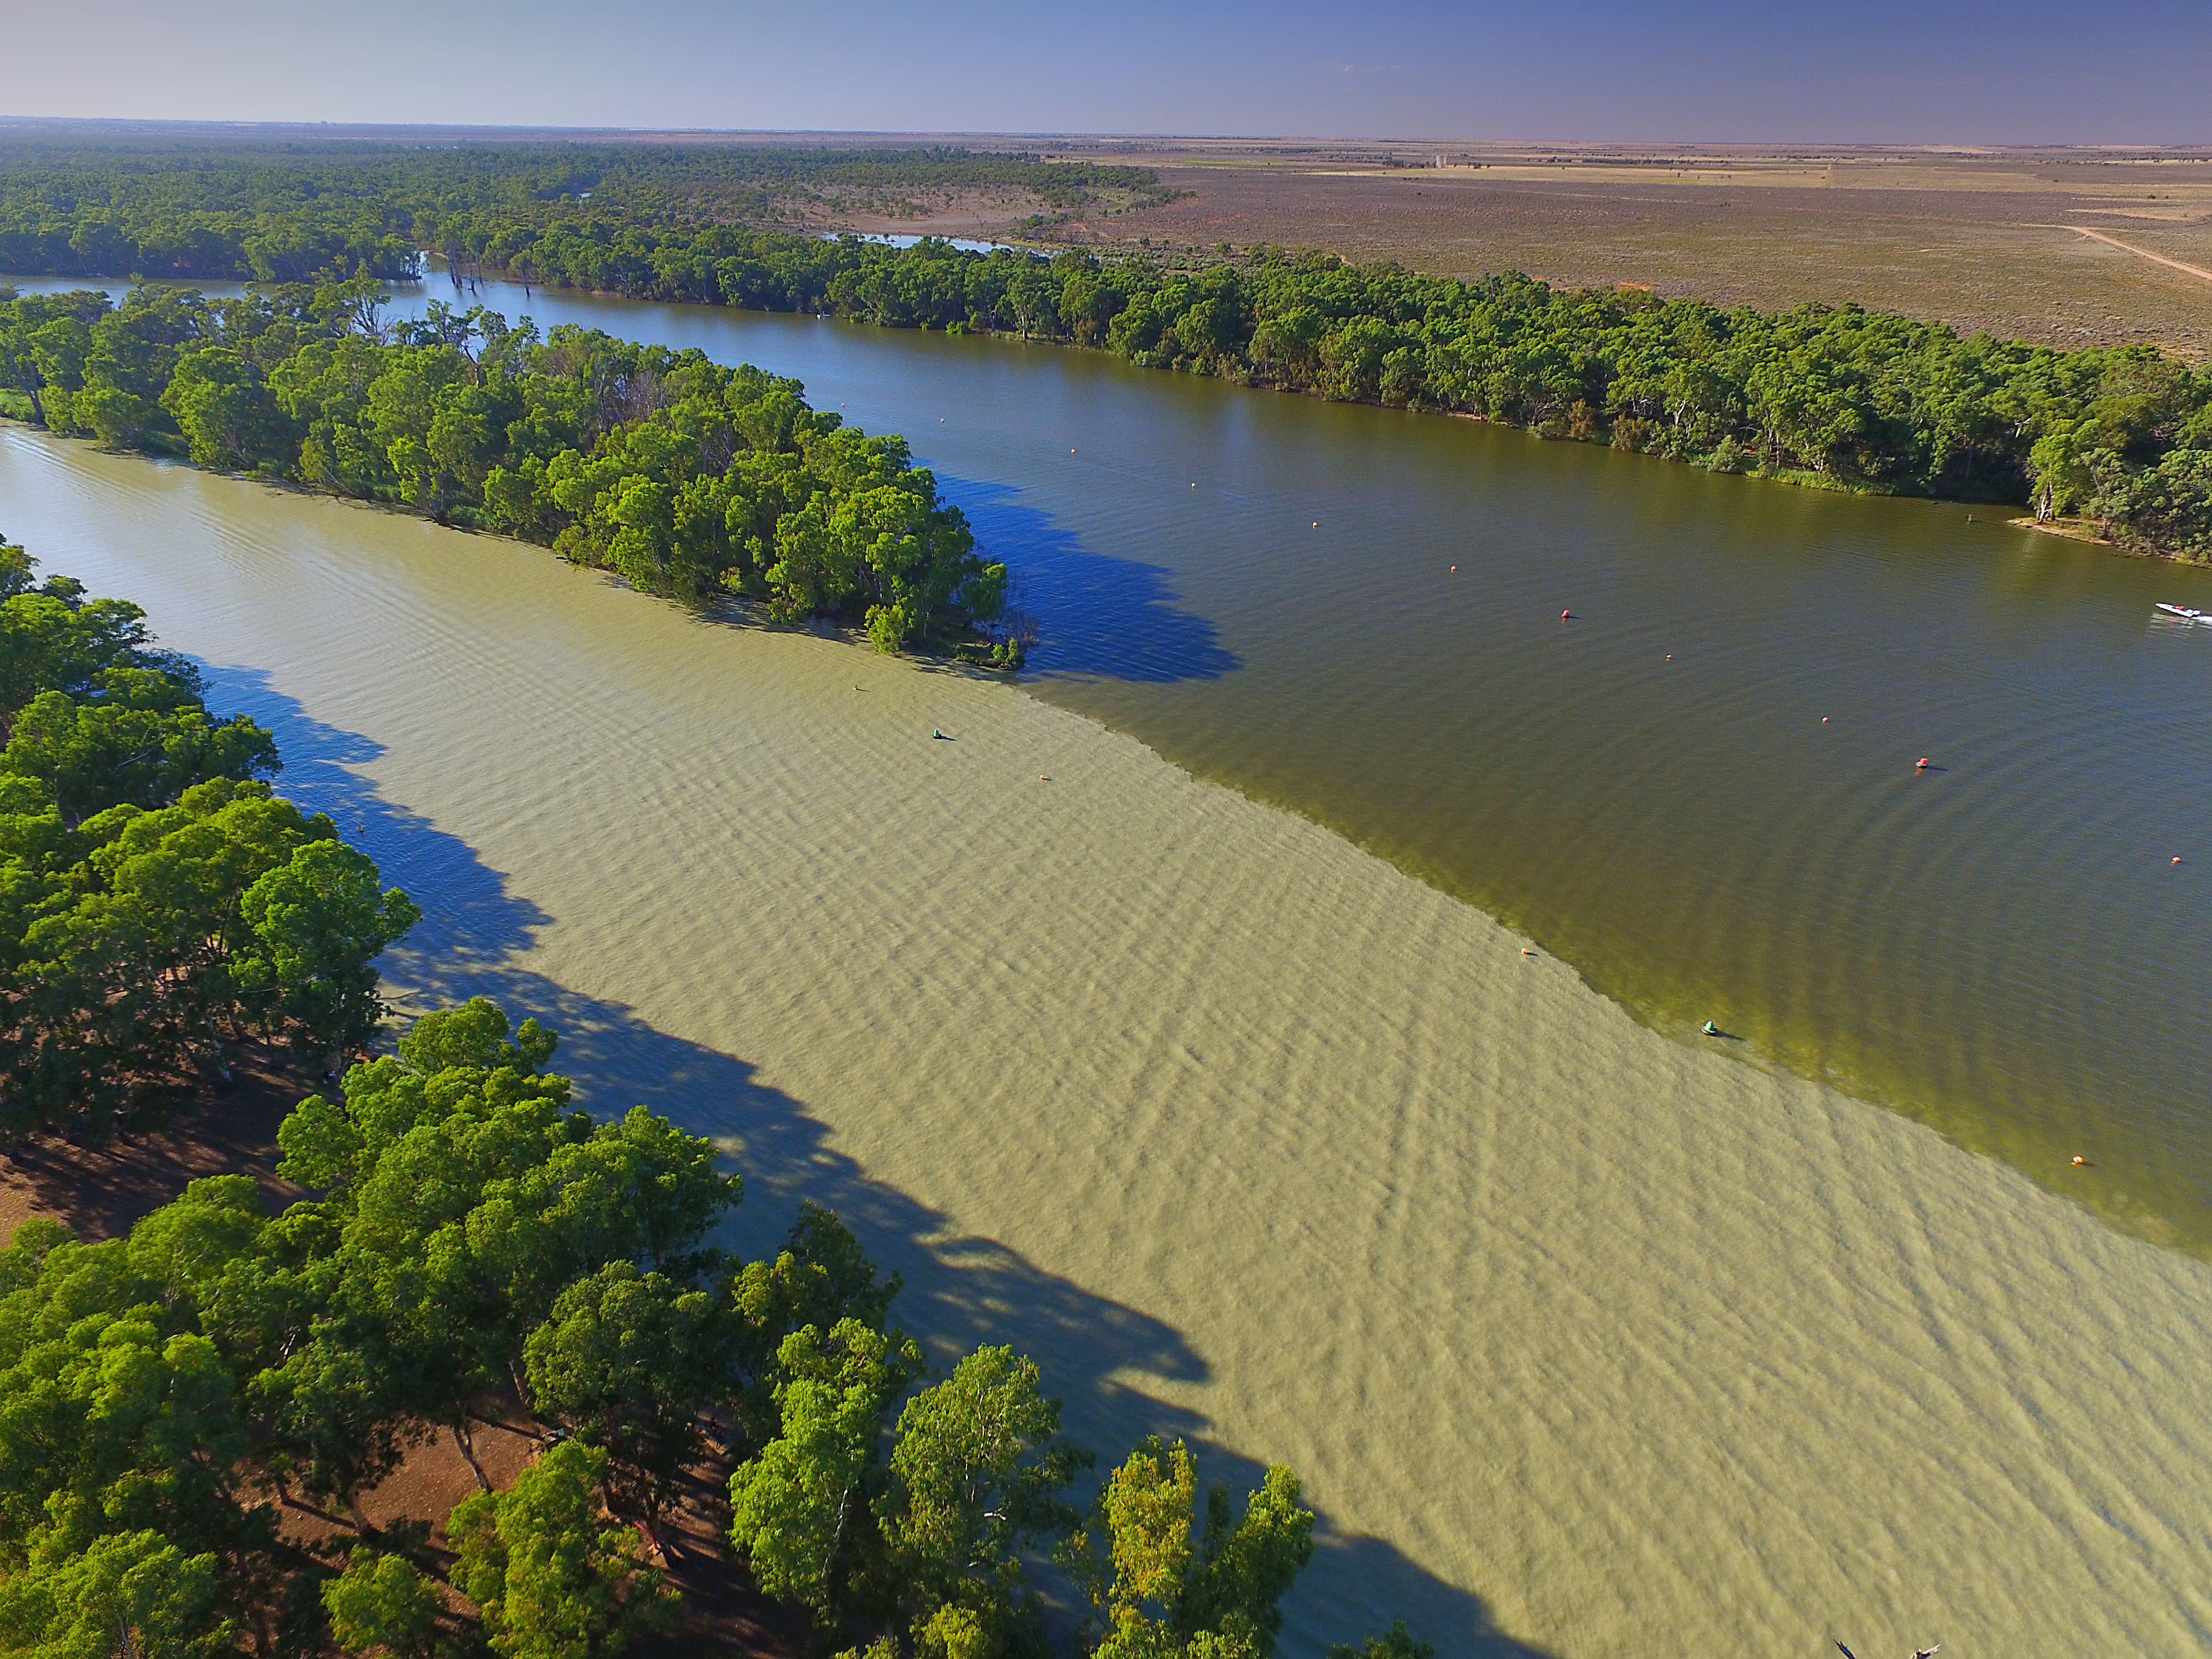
x=1565, y=615
x=1922, y=762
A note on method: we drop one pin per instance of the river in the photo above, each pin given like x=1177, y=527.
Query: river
x=1703, y=791
x=1590, y=1337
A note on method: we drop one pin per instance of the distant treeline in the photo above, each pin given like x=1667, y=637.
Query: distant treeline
x=687, y=478
x=1834, y=396
x=186, y=1412
x=71, y=206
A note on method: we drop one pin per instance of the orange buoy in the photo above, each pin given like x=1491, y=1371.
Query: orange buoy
x=2079, y=1159
x=2177, y=860
x=1455, y=570
x=1526, y=951
x=1921, y=764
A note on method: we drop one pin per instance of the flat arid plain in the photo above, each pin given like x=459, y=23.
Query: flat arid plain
x=2060, y=246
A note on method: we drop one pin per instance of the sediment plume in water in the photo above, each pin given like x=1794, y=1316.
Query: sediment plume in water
x=1585, y=1341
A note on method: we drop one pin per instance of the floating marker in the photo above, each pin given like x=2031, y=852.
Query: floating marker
x=1567, y=615
x=1921, y=764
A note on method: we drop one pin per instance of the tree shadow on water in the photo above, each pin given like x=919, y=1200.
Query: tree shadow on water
x=1097, y=615
x=471, y=920
x=1108, y=1361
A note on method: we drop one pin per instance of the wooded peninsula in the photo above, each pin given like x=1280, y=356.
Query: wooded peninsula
x=688, y=479
x=1838, y=396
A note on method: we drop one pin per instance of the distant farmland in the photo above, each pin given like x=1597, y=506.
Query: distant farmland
x=1978, y=240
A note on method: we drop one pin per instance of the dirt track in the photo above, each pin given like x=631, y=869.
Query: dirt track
x=2159, y=258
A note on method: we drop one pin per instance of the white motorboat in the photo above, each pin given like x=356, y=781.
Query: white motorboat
x=2184, y=612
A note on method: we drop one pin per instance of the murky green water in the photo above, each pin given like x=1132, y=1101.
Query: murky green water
x=1262, y=587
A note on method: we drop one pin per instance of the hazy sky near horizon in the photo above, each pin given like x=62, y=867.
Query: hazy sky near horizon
x=1936, y=71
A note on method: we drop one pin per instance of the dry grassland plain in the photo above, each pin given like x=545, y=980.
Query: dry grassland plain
x=1978, y=238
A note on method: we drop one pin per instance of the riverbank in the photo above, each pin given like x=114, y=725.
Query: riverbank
x=1581, y=1335
x=1644, y=433
x=2082, y=530
x=1855, y=370
x=1833, y=396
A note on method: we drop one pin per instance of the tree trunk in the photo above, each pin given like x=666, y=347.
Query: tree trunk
x=466, y=1441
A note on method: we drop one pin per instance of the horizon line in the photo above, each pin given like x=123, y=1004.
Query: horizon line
x=1101, y=136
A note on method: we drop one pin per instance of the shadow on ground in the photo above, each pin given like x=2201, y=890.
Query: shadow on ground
x=1096, y=615
x=102, y=1192
x=1102, y=1358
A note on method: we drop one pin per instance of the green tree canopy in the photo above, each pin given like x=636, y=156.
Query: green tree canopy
x=553, y=1580
x=1162, y=1592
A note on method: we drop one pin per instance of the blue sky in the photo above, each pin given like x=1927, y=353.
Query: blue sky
x=1943, y=71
